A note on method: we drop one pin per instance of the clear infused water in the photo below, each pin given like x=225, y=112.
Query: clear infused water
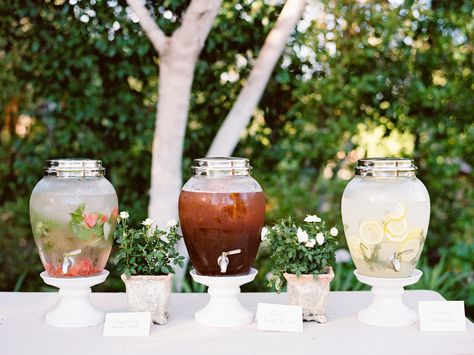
x=73, y=229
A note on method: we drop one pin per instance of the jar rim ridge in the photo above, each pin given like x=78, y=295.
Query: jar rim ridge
x=73, y=167
x=386, y=167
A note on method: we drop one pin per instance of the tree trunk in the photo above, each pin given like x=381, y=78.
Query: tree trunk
x=239, y=116
x=176, y=77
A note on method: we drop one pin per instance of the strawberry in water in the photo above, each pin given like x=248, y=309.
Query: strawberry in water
x=91, y=219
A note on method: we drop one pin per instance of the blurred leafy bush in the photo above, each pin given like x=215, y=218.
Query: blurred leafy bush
x=357, y=79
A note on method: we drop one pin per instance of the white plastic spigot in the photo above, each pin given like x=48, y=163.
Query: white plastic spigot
x=223, y=260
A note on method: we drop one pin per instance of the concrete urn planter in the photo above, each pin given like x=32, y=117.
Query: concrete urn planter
x=311, y=293
x=149, y=294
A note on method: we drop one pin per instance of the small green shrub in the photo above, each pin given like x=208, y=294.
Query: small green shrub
x=146, y=250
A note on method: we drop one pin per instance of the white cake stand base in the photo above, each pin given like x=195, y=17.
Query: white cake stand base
x=224, y=308
x=387, y=308
x=74, y=308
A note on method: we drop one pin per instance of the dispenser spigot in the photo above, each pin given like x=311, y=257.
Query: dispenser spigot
x=68, y=260
x=396, y=259
x=223, y=260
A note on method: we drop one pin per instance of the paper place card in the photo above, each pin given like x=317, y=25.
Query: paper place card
x=278, y=317
x=130, y=324
x=441, y=316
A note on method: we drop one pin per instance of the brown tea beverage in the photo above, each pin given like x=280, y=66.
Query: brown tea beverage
x=217, y=222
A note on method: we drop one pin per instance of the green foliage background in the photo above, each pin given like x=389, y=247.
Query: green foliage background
x=79, y=78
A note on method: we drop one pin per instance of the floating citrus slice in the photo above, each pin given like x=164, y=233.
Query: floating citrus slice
x=415, y=233
x=410, y=249
x=398, y=212
x=396, y=230
x=358, y=249
x=366, y=251
x=371, y=232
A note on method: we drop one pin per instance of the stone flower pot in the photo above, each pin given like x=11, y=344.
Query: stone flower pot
x=311, y=293
x=149, y=294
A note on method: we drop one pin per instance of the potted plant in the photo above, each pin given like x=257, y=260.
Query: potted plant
x=303, y=255
x=145, y=258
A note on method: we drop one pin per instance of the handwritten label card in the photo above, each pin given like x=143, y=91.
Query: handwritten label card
x=441, y=316
x=277, y=317
x=127, y=324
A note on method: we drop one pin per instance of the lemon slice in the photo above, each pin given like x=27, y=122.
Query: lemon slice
x=358, y=249
x=398, y=212
x=366, y=251
x=410, y=249
x=396, y=230
x=354, y=246
x=371, y=232
x=415, y=233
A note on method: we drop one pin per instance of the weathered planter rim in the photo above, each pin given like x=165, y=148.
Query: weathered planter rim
x=305, y=277
x=146, y=277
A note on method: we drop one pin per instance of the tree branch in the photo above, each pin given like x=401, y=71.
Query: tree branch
x=197, y=22
x=149, y=26
x=239, y=116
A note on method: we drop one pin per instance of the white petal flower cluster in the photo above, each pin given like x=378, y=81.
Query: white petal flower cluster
x=147, y=222
x=312, y=219
x=301, y=235
x=333, y=231
x=320, y=238
x=310, y=243
x=124, y=215
x=264, y=233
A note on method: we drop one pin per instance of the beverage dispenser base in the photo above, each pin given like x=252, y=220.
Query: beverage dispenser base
x=387, y=309
x=224, y=308
x=75, y=308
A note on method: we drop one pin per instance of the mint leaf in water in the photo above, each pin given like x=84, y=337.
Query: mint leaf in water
x=78, y=215
x=81, y=232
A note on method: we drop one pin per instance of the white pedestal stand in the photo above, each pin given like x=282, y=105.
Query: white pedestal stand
x=224, y=308
x=75, y=308
x=387, y=308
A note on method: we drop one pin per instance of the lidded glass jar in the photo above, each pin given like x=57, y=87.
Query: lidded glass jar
x=73, y=212
x=385, y=211
x=222, y=212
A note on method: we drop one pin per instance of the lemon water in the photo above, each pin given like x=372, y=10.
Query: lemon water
x=385, y=238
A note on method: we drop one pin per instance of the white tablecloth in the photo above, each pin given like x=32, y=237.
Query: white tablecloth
x=23, y=330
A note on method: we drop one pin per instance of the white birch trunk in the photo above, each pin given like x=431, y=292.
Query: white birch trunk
x=176, y=77
x=239, y=116
x=178, y=57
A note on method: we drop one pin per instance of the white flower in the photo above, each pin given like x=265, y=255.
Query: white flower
x=171, y=223
x=310, y=243
x=312, y=218
x=333, y=231
x=302, y=235
x=124, y=215
x=147, y=222
x=275, y=228
x=342, y=256
x=320, y=238
x=264, y=233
